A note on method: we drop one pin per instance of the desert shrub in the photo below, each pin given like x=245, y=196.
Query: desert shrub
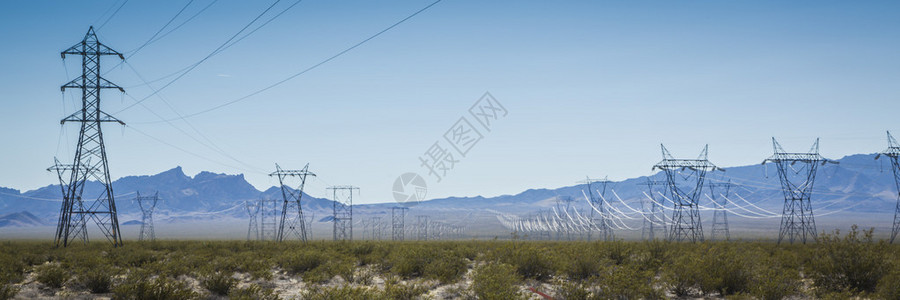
x=723, y=270
x=572, y=290
x=409, y=262
x=302, y=262
x=889, y=286
x=581, y=267
x=51, y=275
x=219, y=283
x=774, y=282
x=7, y=291
x=529, y=260
x=853, y=263
x=496, y=281
x=446, y=268
x=252, y=292
x=625, y=282
x=160, y=288
x=97, y=280
x=617, y=251
x=340, y=292
x=682, y=274
x=398, y=291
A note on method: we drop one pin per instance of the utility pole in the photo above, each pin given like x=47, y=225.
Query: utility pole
x=253, y=211
x=398, y=215
x=655, y=213
x=295, y=222
x=90, y=161
x=797, y=220
x=343, y=211
x=599, y=216
x=685, y=183
x=720, y=215
x=147, y=204
x=893, y=152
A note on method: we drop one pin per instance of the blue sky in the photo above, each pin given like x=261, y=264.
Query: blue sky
x=591, y=87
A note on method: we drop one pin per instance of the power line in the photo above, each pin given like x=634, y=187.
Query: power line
x=112, y=15
x=204, y=59
x=304, y=71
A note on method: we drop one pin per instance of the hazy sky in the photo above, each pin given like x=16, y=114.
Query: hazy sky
x=591, y=88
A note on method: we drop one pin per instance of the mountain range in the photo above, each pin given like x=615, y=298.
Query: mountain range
x=858, y=189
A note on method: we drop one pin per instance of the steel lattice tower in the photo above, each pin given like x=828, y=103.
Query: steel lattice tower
x=147, y=205
x=893, y=152
x=797, y=183
x=654, y=215
x=600, y=221
x=377, y=227
x=295, y=223
x=343, y=212
x=398, y=215
x=720, y=216
x=253, y=212
x=90, y=161
x=77, y=223
x=268, y=219
x=686, y=215
x=422, y=227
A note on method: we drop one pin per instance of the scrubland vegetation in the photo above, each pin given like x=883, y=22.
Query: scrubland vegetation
x=839, y=266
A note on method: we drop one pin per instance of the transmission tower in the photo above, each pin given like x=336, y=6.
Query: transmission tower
x=720, y=215
x=90, y=155
x=600, y=221
x=343, y=211
x=253, y=212
x=684, y=178
x=893, y=152
x=377, y=227
x=422, y=227
x=654, y=219
x=268, y=220
x=295, y=222
x=78, y=222
x=797, y=220
x=398, y=215
x=147, y=205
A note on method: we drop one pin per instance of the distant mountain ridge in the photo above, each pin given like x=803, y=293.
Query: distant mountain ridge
x=858, y=184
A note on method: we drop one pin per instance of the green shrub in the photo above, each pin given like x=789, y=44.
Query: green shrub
x=775, y=283
x=530, y=261
x=889, y=286
x=161, y=288
x=682, y=274
x=97, y=280
x=496, y=281
x=583, y=267
x=7, y=291
x=302, y=262
x=51, y=275
x=252, y=292
x=340, y=292
x=398, y=291
x=219, y=283
x=626, y=282
x=447, y=268
x=572, y=290
x=854, y=263
x=722, y=270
